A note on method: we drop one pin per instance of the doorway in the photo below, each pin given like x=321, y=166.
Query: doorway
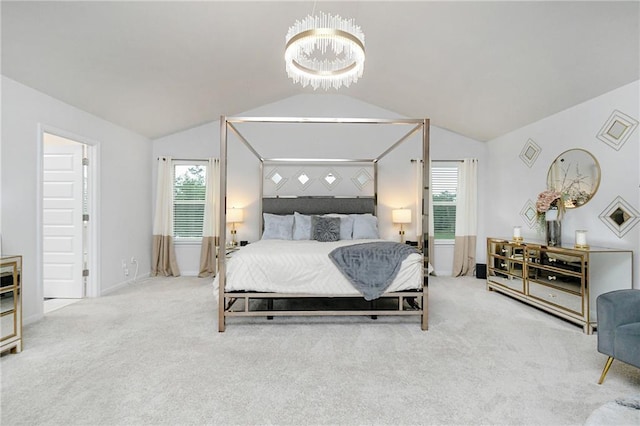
x=65, y=220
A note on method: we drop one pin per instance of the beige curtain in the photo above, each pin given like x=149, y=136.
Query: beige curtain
x=211, y=227
x=464, y=257
x=163, y=256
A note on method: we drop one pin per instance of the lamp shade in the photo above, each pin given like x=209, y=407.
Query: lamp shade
x=401, y=216
x=234, y=215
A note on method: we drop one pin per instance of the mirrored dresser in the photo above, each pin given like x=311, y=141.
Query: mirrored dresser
x=10, y=304
x=564, y=281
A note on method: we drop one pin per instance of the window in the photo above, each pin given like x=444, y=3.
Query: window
x=444, y=183
x=189, y=193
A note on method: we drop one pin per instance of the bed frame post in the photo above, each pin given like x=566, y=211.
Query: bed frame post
x=222, y=212
x=426, y=172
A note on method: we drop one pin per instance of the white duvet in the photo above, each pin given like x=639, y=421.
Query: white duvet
x=284, y=266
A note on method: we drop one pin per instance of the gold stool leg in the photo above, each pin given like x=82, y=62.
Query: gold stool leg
x=606, y=369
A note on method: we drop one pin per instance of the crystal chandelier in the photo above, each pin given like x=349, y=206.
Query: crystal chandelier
x=324, y=51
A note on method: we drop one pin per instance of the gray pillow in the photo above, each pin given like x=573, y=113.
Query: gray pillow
x=365, y=226
x=346, y=225
x=301, y=226
x=325, y=228
x=277, y=227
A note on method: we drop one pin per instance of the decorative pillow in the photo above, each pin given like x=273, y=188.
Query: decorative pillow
x=301, y=226
x=325, y=228
x=277, y=227
x=365, y=226
x=346, y=225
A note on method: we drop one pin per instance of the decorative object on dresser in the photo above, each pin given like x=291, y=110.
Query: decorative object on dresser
x=517, y=234
x=550, y=209
x=564, y=281
x=619, y=327
x=11, y=303
x=581, y=239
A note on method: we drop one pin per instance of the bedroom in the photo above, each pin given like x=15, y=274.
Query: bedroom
x=127, y=157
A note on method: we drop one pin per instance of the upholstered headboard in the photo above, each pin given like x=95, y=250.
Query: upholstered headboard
x=319, y=205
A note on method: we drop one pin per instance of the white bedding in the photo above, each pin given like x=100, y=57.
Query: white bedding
x=284, y=266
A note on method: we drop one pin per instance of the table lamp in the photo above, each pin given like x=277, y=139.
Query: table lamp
x=234, y=216
x=401, y=216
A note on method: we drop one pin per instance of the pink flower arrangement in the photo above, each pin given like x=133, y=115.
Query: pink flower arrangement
x=548, y=199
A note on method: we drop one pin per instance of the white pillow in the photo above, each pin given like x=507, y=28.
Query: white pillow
x=365, y=226
x=277, y=227
x=346, y=225
x=301, y=226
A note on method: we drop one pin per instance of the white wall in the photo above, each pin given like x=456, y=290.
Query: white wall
x=243, y=185
x=124, y=218
x=511, y=182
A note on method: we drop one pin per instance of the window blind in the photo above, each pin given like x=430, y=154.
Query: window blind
x=189, y=195
x=444, y=183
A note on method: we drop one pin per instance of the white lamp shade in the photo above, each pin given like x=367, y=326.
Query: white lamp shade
x=401, y=216
x=234, y=215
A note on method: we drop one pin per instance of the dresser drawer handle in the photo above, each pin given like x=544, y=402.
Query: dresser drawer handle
x=551, y=260
x=503, y=250
x=552, y=278
x=552, y=296
x=503, y=265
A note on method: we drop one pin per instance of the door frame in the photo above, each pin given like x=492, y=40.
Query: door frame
x=93, y=246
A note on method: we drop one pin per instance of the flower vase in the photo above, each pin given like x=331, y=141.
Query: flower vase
x=553, y=228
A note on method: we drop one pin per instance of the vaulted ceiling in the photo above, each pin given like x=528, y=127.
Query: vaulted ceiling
x=480, y=69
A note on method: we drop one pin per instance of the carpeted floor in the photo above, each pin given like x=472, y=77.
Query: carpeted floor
x=150, y=354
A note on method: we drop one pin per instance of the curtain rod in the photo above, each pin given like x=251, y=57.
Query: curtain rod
x=186, y=159
x=413, y=160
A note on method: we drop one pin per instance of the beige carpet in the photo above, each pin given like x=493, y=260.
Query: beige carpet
x=150, y=354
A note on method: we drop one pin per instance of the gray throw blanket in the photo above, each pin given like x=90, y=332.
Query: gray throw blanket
x=371, y=267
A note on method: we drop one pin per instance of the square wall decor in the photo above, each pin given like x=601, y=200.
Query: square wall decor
x=303, y=179
x=530, y=152
x=361, y=179
x=331, y=179
x=276, y=178
x=617, y=129
x=529, y=213
x=620, y=216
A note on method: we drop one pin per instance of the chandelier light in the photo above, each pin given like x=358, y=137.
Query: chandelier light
x=324, y=51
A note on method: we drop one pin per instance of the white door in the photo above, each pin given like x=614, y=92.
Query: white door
x=62, y=218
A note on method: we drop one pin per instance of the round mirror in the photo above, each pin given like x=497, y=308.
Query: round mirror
x=576, y=174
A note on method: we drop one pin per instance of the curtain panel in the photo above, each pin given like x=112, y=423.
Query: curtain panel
x=163, y=256
x=211, y=227
x=464, y=256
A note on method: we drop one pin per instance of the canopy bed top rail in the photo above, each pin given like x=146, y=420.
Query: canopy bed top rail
x=324, y=120
x=318, y=160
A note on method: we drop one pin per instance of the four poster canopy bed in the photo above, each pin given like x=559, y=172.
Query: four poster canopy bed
x=321, y=255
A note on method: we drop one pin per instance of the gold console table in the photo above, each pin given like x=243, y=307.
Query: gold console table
x=11, y=304
x=564, y=281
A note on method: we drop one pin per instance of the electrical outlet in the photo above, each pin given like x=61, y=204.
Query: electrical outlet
x=126, y=272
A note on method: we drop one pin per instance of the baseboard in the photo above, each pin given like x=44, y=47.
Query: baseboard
x=31, y=319
x=122, y=284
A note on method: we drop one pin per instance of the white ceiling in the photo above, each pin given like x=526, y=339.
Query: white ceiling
x=480, y=69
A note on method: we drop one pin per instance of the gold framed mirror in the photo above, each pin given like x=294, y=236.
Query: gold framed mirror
x=576, y=174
